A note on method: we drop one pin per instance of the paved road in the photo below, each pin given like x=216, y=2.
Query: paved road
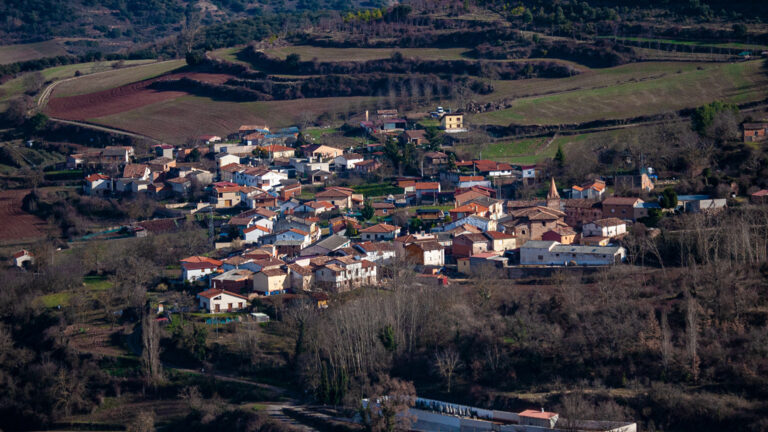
x=276, y=412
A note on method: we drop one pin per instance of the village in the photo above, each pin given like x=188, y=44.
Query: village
x=288, y=217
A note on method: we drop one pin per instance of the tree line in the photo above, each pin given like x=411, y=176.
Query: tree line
x=327, y=86
x=398, y=64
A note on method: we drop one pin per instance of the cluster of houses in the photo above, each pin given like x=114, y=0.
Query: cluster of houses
x=289, y=246
x=450, y=221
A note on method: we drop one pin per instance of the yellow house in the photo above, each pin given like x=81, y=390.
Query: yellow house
x=270, y=282
x=226, y=196
x=462, y=265
x=452, y=122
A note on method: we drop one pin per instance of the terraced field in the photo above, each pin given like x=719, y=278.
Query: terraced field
x=363, y=54
x=626, y=91
x=31, y=51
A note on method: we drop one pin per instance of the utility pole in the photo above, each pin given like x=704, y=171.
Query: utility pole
x=210, y=226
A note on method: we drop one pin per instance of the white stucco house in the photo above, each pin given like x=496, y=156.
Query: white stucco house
x=347, y=161
x=218, y=300
x=194, y=268
x=253, y=233
x=608, y=227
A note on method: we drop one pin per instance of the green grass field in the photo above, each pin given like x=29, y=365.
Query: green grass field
x=31, y=51
x=16, y=86
x=315, y=133
x=629, y=91
x=684, y=43
x=517, y=151
x=55, y=299
x=363, y=54
x=535, y=150
x=142, y=70
x=97, y=283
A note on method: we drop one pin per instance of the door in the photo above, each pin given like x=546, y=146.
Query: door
x=229, y=307
x=217, y=308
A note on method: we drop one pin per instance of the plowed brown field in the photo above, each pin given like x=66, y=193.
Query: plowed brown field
x=15, y=223
x=121, y=99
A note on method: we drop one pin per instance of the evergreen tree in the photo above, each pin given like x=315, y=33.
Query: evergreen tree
x=367, y=211
x=668, y=199
x=560, y=156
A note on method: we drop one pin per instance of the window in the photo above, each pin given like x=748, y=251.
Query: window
x=541, y=258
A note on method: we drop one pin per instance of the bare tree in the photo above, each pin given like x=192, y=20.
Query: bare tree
x=692, y=334
x=150, y=355
x=388, y=401
x=143, y=422
x=666, y=341
x=33, y=82
x=446, y=362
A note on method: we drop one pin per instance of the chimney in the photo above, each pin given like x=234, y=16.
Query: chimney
x=366, y=115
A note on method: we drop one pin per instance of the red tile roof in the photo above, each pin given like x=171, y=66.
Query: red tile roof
x=427, y=186
x=537, y=414
x=256, y=227
x=202, y=259
x=496, y=235
x=213, y=292
x=95, y=177
x=612, y=221
x=273, y=272
x=380, y=228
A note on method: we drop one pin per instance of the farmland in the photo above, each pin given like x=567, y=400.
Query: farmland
x=684, y=43
x=31, y=51
x=17, y=86
x=18, y=226
x=363, y=54
x=636, y=89
x=537, y=150
x=119, y=99
x=179, y=119
x=115, y=78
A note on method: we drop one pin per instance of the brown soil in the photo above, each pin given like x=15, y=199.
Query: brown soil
x=121, y=99
x=16, y=224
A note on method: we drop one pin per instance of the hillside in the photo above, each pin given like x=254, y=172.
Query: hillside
x=108, y=25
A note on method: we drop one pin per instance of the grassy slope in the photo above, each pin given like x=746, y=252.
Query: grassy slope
x=684, y=43
x=363, y=54
x=534, y=150
x=116, y=78
x=628, y=91
x=31, y=51
x=16, y=86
